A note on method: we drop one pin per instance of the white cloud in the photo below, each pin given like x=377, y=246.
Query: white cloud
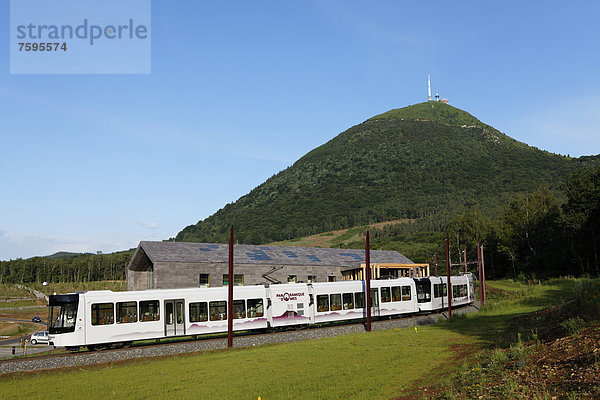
x=149, y=225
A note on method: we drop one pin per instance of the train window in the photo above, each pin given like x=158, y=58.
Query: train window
x=405, y=293
x=396, y=296
x=459, y=291
x=179, y=306
x=149, y=311
x=336, y=302
x=385, y=295
x=103, y=313
x=348, y=301
x=169, y=312
x=439, y=290
x=198, y=312
x=359, y=300
x=126, y=312
x=218, y=310
x=255, y=308
x=322, y=302
x=423, y=290
x=374, y=298
x=239, y=309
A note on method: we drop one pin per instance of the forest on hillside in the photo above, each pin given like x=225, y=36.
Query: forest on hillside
x=66, y=268
x=537, y=235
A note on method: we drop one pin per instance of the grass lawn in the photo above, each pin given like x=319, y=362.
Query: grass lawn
x=375, y=365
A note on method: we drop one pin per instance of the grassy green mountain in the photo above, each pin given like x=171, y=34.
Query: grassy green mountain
x=422, y=160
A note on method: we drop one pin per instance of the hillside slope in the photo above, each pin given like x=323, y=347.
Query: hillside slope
x=426, y=159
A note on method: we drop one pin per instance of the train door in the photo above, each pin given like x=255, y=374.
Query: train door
x=174, y=317
x=375, y=302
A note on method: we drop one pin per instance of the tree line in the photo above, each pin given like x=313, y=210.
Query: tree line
x=536, y=235
x=71, y=268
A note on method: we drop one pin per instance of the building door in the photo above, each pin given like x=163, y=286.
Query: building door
x=174, y=317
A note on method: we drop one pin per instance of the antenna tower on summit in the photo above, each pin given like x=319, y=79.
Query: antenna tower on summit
x=428, y=88
x=437, y=95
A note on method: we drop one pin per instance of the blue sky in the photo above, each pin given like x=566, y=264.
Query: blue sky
x=240, y=90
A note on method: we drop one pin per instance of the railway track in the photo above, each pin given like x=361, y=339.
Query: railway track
x=83, y=358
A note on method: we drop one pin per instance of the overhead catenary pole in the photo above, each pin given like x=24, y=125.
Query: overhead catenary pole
x=368, y=282
x=480, y=274
x=483, y=275
x=448, y=284
x=435, y=263
x=465, y=251
x=230, y=293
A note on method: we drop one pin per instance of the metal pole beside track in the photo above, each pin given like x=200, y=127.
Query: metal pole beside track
x=435, y=262
x=448, y=284
x=368, y=282
x=483, y=276
x=479, y=270
x=230, y=293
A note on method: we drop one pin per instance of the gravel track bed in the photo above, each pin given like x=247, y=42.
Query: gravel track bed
x=99, y=357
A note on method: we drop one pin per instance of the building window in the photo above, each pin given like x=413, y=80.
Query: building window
x=311, y=279
x=126, y=312
x=203, y=280
x=103, y=313
x=238, y=279
x=291, y=278
x=331, y=278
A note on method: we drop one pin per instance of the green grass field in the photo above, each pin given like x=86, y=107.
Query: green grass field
x=375, y=365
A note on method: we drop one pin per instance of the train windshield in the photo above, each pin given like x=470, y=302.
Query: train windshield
x=63, y=313
x=423, y=290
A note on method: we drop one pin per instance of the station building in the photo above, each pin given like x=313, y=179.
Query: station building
x=167, y=265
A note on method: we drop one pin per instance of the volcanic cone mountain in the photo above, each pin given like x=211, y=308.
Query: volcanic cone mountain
x=428, y=159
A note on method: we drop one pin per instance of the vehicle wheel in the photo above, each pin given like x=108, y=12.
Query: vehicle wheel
x=33, y=342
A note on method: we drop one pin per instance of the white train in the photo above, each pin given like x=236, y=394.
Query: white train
x=105, y=318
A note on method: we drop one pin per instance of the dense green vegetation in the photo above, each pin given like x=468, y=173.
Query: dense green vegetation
x=70, y=268
x=426, y=160
x=536, y=235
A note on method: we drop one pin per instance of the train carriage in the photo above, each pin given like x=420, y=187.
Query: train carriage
x=432, y=291
x=102, y=318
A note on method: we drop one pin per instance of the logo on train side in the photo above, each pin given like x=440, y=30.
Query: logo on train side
x=289, y=296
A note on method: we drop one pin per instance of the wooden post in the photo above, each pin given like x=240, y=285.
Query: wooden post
x=448, y=284
x=230, y=293
x=368, y=282
x=480, y=274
